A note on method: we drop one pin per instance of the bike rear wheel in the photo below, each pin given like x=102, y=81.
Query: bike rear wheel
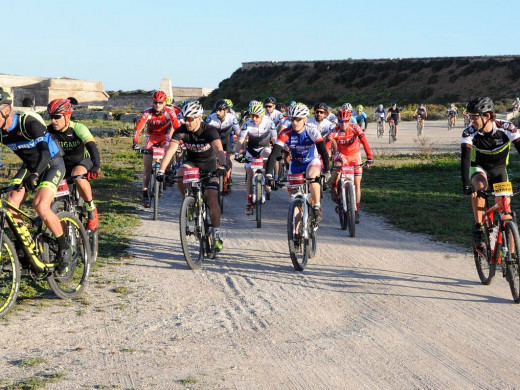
x=156, y=193
x=351, y=206
x=258, y=205
x=513, y=266
x=379, y=129
x=221, y=194
x=192, y=233
x=298, y=246
x=484, y=262
x=9, y=276
x=391, y=133
x=72, y=282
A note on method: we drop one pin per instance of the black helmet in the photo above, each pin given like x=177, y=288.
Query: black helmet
x=321, y=106
x=5, y=97
x=270, y=99
x=280, y=107
x=221, y=104
x=480, y=105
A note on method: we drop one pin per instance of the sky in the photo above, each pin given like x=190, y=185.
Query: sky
x=131, y=45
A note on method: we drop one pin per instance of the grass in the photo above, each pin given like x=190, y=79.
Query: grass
x=39, y=381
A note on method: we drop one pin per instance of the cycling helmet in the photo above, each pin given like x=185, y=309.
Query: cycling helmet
x=480, y=106
x=452, y=105
x=169, y=100
x=280, y=107
x=221, y=105
x=380, y=106
x=299, y=110
x=347, y=106
x=59, y=106
x=292, y=103
x=256, y=108
x=270, y=99
x=344, y=114
x=182, y=103
x=159, y=96
x=192, y=109
x=394, y=104
x=6, y=97
x=360, y=108
x=229, y=103
x=321, y=106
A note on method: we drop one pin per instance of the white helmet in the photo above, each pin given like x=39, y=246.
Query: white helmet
x=380, y=106
x=192, y=109
x=256, y=108
x=299, y=110
x=347, y=106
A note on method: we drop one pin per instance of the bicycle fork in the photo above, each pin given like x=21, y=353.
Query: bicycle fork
x=304, y=217
x=258, y=178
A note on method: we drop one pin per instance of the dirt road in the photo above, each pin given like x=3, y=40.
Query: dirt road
x=384, y=310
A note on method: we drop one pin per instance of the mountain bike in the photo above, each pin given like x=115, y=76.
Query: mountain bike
x=451, y=120
x=223, y=189
x=260, y=193
x=346, y=199
x=380, y=131
x=301, y=225
x=420, y=125
x=502, y=240
x=67, y=198
x=391, y=131
x=467, y=122
x=155, y=188
x=35, y=253
x=197, y=239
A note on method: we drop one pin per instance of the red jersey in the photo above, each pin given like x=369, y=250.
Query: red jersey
x=157, y=125
x=348, y=141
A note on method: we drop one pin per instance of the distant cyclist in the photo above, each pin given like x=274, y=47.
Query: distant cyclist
x=331, y=116
x=485, y=150
x=81, y=155
x=361, y=117
x=380, y=115
x=161, y=121
x=348, y=106
x=395, y=115
x=322, y=123
x=421, y=112
x=276, y=116
x=451, y=113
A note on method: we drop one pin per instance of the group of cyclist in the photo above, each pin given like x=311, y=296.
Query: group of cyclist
x=49, y=153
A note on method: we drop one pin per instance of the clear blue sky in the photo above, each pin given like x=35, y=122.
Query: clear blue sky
x=133, y=44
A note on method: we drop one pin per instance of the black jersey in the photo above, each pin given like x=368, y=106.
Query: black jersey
x=198, y=143
x=394, y=113
x=73, y=141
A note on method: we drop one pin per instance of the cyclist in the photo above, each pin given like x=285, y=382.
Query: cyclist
x=331, y=116
x=393, y=113
x=485, y=153
x=452, y=114
x=345, y=142
x=275, y=115
x=226, y=123
x=305, y=143
x=81, y=155
x=361, y=117
x=380, y=114
x=25, y=133
x=261, y=131
x=230, y=105
x=161, y=121
x=322, y=123
x=421, y=112
x=203, y=148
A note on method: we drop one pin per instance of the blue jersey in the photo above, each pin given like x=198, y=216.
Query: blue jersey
x=302, y=145
x=360, y=118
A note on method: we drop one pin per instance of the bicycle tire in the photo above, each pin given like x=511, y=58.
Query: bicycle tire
x=72, y=283
x=483, y=261
x=391, y=133
x=343, y=223
x=9, y=276
x=312, y=243
x=258, y=205
x=351, y=206
x=156, y=193
x=379, y=129
x=513, y=265
x=419, y=130
x=221, y=194
x=298, y=246
x=192, y=238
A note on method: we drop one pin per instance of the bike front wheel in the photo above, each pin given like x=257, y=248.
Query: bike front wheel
x=513, y=265
x=258, y=205
x=298, y=245
x=221, y=194
x=9, y=276
x=192, y=234
x=343, y=220
x=351, y=206
x=72, y=282
x=484, y=262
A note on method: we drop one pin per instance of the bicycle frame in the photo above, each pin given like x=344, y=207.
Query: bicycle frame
x=257, y=166
x=299, y=187
x=346, y=175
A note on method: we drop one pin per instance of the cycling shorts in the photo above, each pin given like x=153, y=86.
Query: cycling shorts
x=265, y=152
x=226, y=144
x=157, y=140
x=494, y=175
x=347, y=160
x=211, y=183
x=86, y=162
x=303, y=168
x=50, y=177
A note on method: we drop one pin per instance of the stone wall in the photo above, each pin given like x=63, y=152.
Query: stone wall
x=141, y=101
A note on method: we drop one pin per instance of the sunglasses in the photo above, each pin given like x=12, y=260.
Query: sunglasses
x=156, y=102
x=269, y=106
x=296, y=119
x=344, y=120
x=190, y=118
x=474, y=116
x=254, y=116
x=56, y=116
x=319, y=112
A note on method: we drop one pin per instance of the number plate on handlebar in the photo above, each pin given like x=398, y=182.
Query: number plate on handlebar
x=191, y=175
x=257, y=163
x=158, y=153
x=63, y=189
x=347, y=170
x=295, y=180
x=503, y=189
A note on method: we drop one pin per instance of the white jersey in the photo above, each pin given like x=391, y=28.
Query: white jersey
x=324, y=127
x=276, y=116
x=259, y=136
x=230, y=122
x=332, y=118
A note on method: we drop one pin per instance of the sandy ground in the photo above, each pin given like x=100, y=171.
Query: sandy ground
x=384, y=310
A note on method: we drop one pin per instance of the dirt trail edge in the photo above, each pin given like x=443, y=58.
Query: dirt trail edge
x=384, y=310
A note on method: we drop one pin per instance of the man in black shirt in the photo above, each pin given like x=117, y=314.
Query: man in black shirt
x=203, y=146
x=395, y=115
x=42, y=170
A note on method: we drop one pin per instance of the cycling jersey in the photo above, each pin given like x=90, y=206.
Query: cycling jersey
x=158, y=126
x=324, y=127
x=381, y=114
x=225, y=127
x=301, y=145
x=348, y=140
x=421, y=112
x=394, y=113
x=276, y=117
x=361, y=118
x=198, y=143
x=28, y=138
x=332, y=118
x=451, y=112
x=259, y=136
x=74, y=142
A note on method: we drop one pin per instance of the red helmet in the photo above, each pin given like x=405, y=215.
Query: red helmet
x=344, y=114
x=159, y=96
x=59, y=106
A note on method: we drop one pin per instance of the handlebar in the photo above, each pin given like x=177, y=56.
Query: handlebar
x=9, y=188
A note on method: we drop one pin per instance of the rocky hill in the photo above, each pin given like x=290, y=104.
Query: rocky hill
x=370, y=82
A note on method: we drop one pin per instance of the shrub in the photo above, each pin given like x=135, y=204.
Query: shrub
x=433, y=79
